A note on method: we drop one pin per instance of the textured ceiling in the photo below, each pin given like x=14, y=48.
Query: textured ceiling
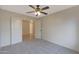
x=22, y=9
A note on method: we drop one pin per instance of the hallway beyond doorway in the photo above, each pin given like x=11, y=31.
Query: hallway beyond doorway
x=28, y=31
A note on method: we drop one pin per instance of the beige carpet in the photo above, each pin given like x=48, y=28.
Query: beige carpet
x=36, y=47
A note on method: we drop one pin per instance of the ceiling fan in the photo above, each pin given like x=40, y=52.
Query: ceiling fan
x=38, y=10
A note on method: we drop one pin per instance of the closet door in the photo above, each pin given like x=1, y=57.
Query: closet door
x=38, y=29
x=16, y=24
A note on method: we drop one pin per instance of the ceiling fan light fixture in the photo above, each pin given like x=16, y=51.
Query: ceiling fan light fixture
x=37, y=10
x=37, y=13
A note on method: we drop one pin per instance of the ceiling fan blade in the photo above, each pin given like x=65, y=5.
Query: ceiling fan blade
x=38, y=6
x=32, y=6
x=30, y=12
x=44, y=13
x=45, y=8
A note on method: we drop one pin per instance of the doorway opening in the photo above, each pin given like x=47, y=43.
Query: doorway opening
x=28, y=30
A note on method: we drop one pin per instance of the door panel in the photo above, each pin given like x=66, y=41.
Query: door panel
x=38, y=29
x=25, y=29
x=16, y=30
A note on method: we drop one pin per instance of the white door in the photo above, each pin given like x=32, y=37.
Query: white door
x=16, y=30
x=38, y=29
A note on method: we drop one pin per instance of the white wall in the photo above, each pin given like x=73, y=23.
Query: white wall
x=5, y=29
x=0, y=30
x=62, y=28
